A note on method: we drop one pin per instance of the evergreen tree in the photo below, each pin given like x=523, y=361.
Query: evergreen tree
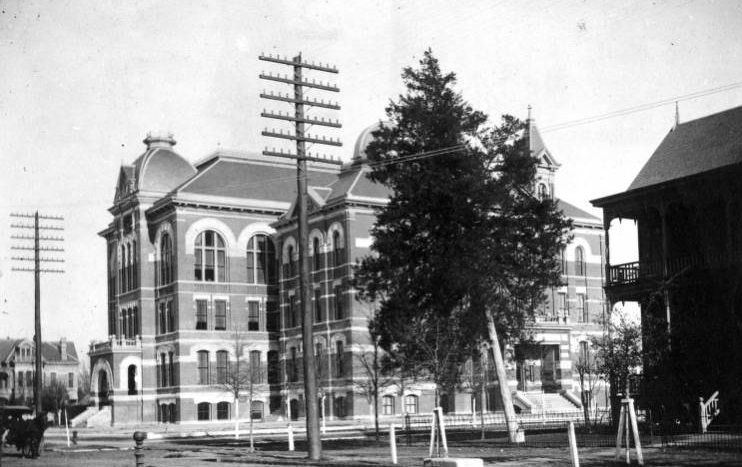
x=463, y=250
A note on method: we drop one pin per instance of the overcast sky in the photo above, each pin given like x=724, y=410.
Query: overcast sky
x=81, y=83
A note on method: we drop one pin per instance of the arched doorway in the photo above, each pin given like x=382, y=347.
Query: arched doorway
x=294, y=404
x=103, y=388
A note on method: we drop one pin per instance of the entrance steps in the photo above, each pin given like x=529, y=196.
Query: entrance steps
x=545, y=402
x=83, y=417
x=101, y=418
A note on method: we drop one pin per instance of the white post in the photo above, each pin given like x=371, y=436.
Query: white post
x=635, y=429
x=324, y=417
x=237, y=418
x=619, y=434
x=573, y=445
x=291, y=437
x=432, y=434
x=442, y=424
x=67, y=426
x=628, y=435
x=393, y=443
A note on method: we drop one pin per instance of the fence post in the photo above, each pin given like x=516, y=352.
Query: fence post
x=291, y=437
x=573, y=445
x=393, y=443
x=139, y=437
x=702, y=422
x=408, y=429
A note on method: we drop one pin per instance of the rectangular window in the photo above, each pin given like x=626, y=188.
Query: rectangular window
x=253, y=316
x=29, y=379
x=260, y=265
x=339, y=311
x=171, y=369
x=388, y=405
x=204, y=409
x=294, y=312
x=20, y=379
x=201, y=314
x=562, y=300
x=170, y=316
x=222, y=411
x=209, y=265
x=70, y=380
x=410, y=404
x=293, y=373
x=272, y=315
x=53, y=378
x=581, y=308
x=198, y=267
x=220, y=315
x=339, y=359
x=584, y=353
x=165, y=373
x=203, y=367
x=221, y=266
x=256, y=373
x=317, y=306
x=221, y=367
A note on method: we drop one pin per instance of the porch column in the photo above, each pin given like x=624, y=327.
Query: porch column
x=665, y=269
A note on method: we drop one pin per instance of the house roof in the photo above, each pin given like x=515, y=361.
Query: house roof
x=251, y=178
x=575, y=213
x=694, y=147
x=50, y=351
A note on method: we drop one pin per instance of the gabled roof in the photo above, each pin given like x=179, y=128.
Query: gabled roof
x=6, y=348
x=50, y=351
x=576, y=214
x=538, y=147
x=694, y=147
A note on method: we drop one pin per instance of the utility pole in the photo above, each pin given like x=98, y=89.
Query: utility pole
x=37, y=269
x=300, y=120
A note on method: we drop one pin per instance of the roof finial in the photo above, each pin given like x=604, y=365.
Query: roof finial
x=677, y=115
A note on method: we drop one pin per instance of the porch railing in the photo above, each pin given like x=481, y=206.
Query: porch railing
x=632, y=273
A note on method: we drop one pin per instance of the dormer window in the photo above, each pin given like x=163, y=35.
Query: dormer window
x=543, y=191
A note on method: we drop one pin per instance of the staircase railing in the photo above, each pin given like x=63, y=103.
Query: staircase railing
x=708, y=410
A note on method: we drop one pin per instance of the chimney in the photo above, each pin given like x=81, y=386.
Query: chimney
x=63, y=348
x=159, y=139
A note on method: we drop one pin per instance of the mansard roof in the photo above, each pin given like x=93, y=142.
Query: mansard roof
x=694, y=147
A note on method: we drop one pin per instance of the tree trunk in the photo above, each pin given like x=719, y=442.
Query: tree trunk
x=502, y=380
x=236, y=418
x=249, y=412
x=376, y=413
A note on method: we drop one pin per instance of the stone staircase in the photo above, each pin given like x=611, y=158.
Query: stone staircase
x=101, y=418
x=82, y=418
x=549, y=402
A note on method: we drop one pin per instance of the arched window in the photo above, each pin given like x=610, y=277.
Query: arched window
x=410, y=403
x=134, y=265
x=274, y=367
x=222, y=411
x=129, y=268
x=388, y=405
x=543, y=192
x=135, y=322
x=204, y=411
x=166, y=259
x=132, y=379
x=173, y=416
x=203, y=367
x=211, y=257
x=339, y=359
x=579, y=261
x=256, y=410
x=290, y=253
x=317, y=263
x=221, y=366
x=261, y=260
x=124, y=283
x=337, y=254
x=339, y=408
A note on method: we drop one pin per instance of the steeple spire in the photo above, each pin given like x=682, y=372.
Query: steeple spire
x=677, y=115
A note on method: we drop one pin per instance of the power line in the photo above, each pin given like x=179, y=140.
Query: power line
x=639, y=108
